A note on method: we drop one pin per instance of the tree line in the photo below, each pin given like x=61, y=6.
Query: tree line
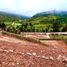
x=39, y=24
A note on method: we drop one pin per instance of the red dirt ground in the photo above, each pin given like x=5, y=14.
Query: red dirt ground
x=55, y=43
x=17, y=53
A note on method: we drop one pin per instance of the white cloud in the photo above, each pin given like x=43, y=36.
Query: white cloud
x=7, y=3
x=34, y=6
x=30, y=7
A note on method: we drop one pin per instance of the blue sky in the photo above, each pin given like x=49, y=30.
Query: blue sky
x=31, y=7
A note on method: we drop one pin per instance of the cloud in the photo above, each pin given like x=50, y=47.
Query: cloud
x=30, y=7
x=7, y=3
x=34, y=6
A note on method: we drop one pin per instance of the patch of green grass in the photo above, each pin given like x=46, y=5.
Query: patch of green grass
x=7, y=23
x=18, y=23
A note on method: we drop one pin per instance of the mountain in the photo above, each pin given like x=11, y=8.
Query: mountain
x=52, y=13
x=49, y=17
x=50, y=21
x=4, y=16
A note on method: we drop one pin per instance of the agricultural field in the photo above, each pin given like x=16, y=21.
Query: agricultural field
x=9, y=23
x=20, y=51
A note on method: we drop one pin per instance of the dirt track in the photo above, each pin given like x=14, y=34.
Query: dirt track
x=17, y=53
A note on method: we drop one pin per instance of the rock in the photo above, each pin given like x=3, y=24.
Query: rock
x=62, y=58
x=51, y=58
x=59, y=57
x=28, y=53
x=65, y=60
x=10, y=50
x=34, y=54
x=45, y=57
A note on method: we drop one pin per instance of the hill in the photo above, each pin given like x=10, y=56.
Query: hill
x=50, y=21
x=52, y=13
x=4, y=16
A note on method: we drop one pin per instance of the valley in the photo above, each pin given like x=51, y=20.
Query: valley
x=37, y=41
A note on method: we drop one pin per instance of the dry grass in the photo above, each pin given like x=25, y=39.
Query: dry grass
x=24, y=38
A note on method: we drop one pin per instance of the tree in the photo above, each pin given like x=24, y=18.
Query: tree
x=2, y=25
x=56, y=27
x=65, y=28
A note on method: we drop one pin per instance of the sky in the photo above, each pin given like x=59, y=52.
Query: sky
x=31, y=7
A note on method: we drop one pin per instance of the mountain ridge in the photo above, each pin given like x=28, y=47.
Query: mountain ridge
x=54, y=12
x=11, y=16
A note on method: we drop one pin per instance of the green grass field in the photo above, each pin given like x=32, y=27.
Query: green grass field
x=9, y=23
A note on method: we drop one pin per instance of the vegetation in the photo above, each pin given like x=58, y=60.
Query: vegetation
x=59, y=37
x=42, y=22
x=8, y=17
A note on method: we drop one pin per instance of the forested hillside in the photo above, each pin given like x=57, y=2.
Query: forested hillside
x=51, y=21
x=10, y=17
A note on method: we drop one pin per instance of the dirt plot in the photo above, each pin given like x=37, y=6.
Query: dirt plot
x=20, y=53
x=55, y=43
x=36, y=35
